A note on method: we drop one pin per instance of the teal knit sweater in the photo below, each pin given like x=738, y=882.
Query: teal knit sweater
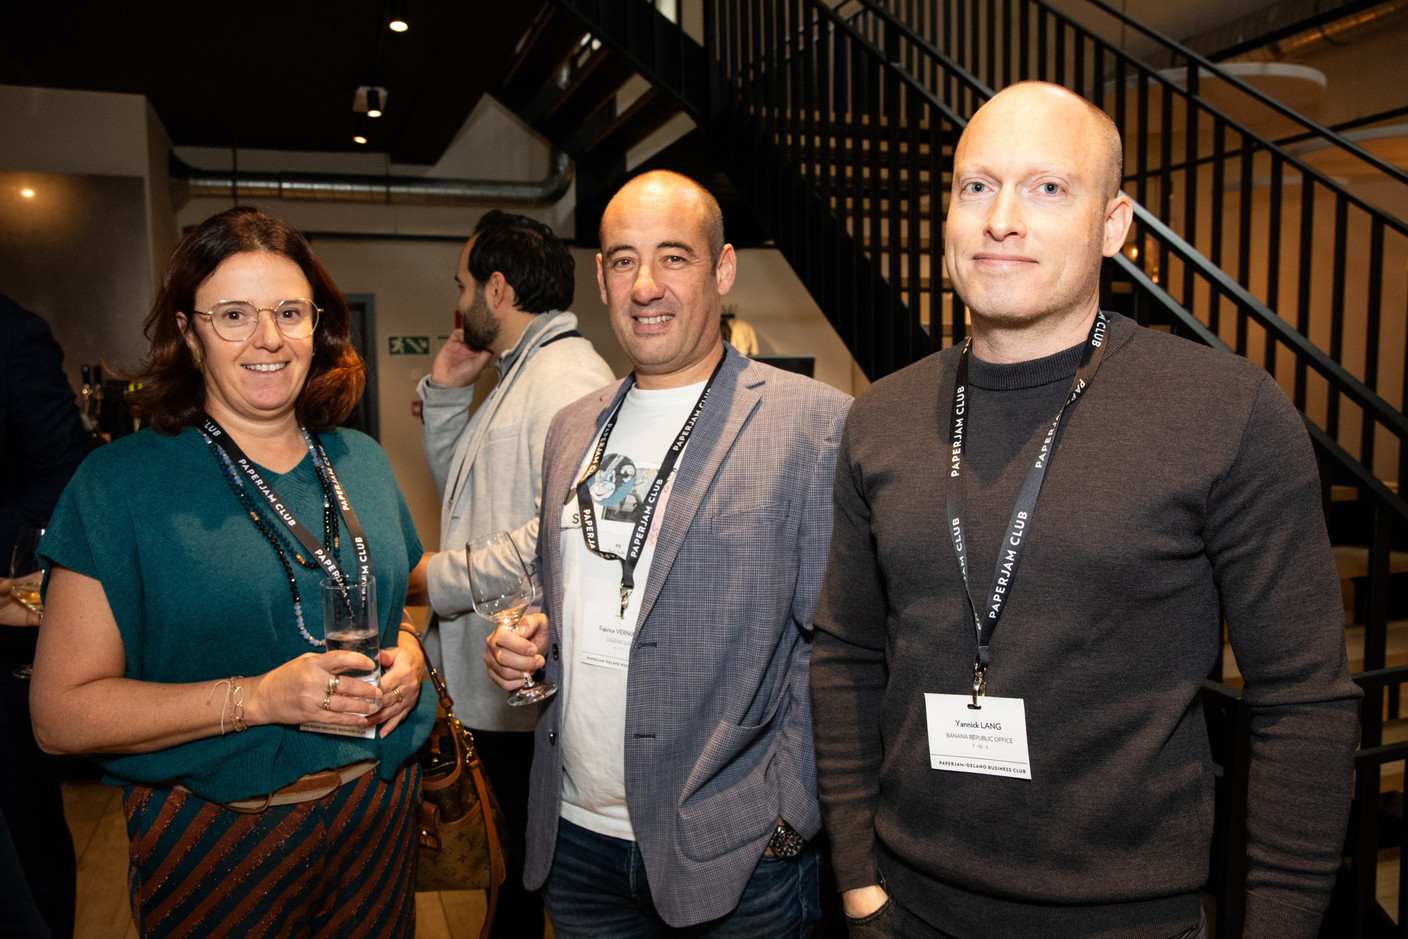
x=199, y=595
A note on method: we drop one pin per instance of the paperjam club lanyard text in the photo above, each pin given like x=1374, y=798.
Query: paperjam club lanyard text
x=985, y=618
x=652, y=499
x=323, y=465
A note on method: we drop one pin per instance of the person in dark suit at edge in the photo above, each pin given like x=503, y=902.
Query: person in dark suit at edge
x=42, y=441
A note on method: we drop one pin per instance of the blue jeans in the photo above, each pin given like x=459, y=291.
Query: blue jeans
x=597, y=889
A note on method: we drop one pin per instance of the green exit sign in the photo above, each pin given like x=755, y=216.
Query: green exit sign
x=408, y=345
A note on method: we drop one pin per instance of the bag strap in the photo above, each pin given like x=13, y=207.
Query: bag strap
x=498, y=868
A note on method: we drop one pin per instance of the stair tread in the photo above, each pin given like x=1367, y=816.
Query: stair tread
x=1352, y=561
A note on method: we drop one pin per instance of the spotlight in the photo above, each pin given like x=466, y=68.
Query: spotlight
x=360, y=134
x=370, y=100
x=27, y=193
x=398, y=21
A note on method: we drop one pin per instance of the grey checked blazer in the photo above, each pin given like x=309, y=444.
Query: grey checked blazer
x=718, y=735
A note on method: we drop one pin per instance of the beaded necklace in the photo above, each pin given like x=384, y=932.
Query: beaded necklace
x=331, y=534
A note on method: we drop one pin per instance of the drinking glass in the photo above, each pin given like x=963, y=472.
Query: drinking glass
x=501, y=590
x=23, y=563
x=350, y=622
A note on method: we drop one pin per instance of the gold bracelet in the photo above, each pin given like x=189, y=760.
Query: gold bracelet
x=234, y=703
x=236, y=706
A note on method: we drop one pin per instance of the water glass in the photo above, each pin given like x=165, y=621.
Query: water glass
x=350, y=622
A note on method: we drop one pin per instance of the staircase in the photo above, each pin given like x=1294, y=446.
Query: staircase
x=834, y=123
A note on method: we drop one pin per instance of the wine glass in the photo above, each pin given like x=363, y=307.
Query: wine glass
x=23, y=563
x=501, y=590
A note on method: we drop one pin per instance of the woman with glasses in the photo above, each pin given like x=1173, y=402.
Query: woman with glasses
x=267, y=791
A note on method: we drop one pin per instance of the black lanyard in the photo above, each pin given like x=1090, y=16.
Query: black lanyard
x=1019, y=525
x=323, y=466
x=647, y=509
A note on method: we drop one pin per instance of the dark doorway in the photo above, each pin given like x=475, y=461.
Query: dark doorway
x=361, y=308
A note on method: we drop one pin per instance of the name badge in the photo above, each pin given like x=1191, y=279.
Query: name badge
x=339, y=730
x=606, y=636
x=991, y=740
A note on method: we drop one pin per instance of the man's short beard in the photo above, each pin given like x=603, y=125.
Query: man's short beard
x=481, y=327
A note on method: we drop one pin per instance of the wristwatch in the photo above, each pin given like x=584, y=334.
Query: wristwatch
x=785, y=842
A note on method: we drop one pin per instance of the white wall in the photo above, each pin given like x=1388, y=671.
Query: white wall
x=80, y=251
x=415, y=295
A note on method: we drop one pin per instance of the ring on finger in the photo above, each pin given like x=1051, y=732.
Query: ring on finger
x=400, y=698
x=327, y=703
x=333, y=684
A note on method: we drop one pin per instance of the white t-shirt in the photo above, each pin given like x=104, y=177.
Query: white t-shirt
x=596, y=638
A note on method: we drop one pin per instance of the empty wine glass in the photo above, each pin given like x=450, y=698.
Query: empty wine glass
x=502, y=590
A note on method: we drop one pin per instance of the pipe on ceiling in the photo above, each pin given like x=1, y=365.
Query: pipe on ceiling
x=188, y=183
x=1337, y=32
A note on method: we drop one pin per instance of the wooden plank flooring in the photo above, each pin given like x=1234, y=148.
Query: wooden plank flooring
x=95, y=818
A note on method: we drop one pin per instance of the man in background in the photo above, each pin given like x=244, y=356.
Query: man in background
x=516, y=282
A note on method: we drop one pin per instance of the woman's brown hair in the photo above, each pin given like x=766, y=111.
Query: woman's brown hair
x=172, y=392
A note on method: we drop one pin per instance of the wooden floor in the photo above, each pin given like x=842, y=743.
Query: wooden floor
x=94, y=813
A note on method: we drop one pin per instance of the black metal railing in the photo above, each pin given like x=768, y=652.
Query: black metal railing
x=1376, y=822
x=843, y=157
x=846, y=155
x=1331, y=263
x=654, y=46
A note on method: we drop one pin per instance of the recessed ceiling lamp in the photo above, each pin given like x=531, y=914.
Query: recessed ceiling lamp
x=398, y=21
x=27, y=193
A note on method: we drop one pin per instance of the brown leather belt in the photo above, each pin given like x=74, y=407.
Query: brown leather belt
x=303, y=789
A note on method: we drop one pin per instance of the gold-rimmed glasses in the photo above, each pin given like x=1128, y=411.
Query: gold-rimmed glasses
x=236, y=320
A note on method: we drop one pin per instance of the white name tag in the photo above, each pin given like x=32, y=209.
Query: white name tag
x=606, y=637
x=991, y=740
x=341, y=731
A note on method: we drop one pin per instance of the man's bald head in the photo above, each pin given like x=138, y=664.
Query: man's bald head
x=1099, y=126
x=690, y=195
x=1034, y=209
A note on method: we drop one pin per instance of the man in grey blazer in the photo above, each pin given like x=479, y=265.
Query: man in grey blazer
x=516, y=281
x=686, y=519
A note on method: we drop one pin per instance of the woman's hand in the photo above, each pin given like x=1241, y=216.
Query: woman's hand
x=297, y=691
x=12, y=612
x=402, y=670
x=82, y=703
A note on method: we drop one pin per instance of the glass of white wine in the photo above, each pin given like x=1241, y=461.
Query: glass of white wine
x=501, y=590
x=24, y=564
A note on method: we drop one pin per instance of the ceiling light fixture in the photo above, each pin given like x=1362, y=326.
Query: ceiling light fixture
x=27, y=193
x=398, y=21
x=360, y=134
x=370, y=100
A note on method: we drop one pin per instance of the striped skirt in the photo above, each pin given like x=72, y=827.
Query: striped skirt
x=338, y=867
